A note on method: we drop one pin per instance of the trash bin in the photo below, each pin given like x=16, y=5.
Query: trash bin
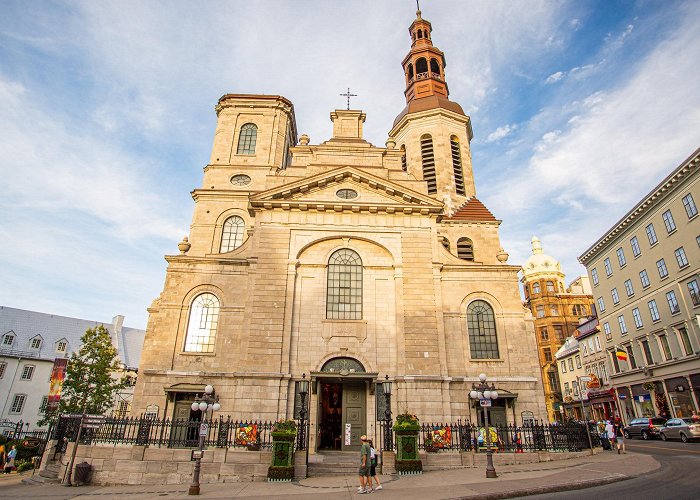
x=83, y=474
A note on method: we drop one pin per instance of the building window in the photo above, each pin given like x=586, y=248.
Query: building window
x=247, y=139
x=623, y=326
x=603, y=372
x=544, y=335
x=566, y=388
x=665, y=347
x=694, y=292
x=615, y=361
x=35, y=343
x=547, y=352
x=651, y=234
x=61, y=346
x=647, y=352
x=578, y=361
x=122, y=409
x=644, y=278
x=608, y=267
x=428, y=157
x=553, y=382
x=481, y=323
x=554, y=310
x=27, y=372
x=550, y=287
x=594, y=276
x=535, y=288
x=3, y=366
x=689, y=205
x=630, y=356
x=8, y=339
x=232, y=234
x=637, y=318
x=615, y=296
x=590, y=346
x=606, y=329
x=571, y=364
x=559, y=332
x=636, y=251
x=346, y=194
x=621, y=257
x=457, y=164
x=661, y=266
x=597, y=343
x=672, y=302
x=563, y=366
x=579, y=310
x=681, y=258
x=204, y=319
x=653, y=310
x=344, y=291
x=43, y=405
x=18, y=403
x=404, y=164
x=240, y=180
x=629, y=288
x=465, y=249
x=685, y=340
x=574, y=384
x=601, y=304
x=668, y=221
x=540, y=311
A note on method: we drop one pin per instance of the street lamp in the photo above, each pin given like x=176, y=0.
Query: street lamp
x=303, y=390
x=388, y=442
x=207, y=404
x=485, y=393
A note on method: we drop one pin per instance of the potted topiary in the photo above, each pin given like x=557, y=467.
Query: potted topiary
x=406, y=429
x=283, y=434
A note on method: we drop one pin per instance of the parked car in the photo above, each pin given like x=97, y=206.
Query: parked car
x=646, y=428
x=684, y=429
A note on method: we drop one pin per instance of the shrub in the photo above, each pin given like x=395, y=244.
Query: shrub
x=406, y=422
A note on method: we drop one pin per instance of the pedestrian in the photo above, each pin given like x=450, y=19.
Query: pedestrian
x=10, y=463
x=373, y=468
x=365, y=487
x=610, y=431
x=620, y=437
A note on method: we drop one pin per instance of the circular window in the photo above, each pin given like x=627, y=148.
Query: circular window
x=240, y=180
x=346, y=194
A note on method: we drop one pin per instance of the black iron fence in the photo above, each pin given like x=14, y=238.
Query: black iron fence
x=172, y=433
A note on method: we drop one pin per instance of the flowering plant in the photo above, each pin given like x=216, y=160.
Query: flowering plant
x=288, y=426
x=406, y=422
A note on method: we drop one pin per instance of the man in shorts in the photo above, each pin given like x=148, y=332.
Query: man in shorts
x=364, y=466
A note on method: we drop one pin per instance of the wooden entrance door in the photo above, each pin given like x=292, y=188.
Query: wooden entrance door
x=354, y=415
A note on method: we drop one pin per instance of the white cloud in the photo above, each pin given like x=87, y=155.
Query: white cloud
x=555, y=77
x=500, y=133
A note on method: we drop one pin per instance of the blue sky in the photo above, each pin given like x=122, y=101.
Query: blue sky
x=106, y=119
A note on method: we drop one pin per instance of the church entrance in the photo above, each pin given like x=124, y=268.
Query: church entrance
x=342, y=415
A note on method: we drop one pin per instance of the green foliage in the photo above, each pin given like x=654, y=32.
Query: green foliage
x=406, y=422
x=23, y=465
x=285, y=426
x=92, y=376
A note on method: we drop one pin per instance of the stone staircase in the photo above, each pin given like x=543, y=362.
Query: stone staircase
x=334, y=463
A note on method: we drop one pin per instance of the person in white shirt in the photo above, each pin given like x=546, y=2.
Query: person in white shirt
x=373, y=467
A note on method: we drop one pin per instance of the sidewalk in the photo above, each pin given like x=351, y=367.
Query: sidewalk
x=513, y=480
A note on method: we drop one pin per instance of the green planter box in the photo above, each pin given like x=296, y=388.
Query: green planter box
x=282, y=468
x=407, y=445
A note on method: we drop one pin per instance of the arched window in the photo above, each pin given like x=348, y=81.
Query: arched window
x=421, y=66
x=457, y=166
x=465, y=249
x=404, y=164
x=550, y=287
x=420, y=33
x=428, y=157
x=481, y=323
x=535, y=288
x=232, y=234
x=344, y=289
x=246, y=139
x=434, y=67
x=410, y=72
x=201, y=328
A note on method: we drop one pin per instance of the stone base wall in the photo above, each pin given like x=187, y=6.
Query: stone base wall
x=447, y=460
x=144, y=465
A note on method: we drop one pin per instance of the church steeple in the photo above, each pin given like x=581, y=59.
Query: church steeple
x=424, y=66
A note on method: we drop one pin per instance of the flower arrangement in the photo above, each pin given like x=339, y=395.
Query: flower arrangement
x=406, y=422
x=284, y=428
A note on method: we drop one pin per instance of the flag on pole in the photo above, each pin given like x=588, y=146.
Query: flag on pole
x=621, y=355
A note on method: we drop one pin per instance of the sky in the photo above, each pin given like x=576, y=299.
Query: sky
x=579, y=108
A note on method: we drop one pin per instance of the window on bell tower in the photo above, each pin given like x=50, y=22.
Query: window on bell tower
x=426, y=149
x=247, y=139
x=457, y=166
x=434, y=67
x=465, y=249
x=421, y=66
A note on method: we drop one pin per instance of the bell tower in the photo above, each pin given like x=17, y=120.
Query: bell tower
x=433, y=132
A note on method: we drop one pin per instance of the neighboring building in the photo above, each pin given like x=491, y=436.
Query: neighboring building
x=644, y=272
x=599, y=393
x=345, y=263
x=570, y=369
x=31, y=341
x=557, y=312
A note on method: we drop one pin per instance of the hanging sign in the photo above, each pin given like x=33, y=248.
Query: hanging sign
x=348, y=434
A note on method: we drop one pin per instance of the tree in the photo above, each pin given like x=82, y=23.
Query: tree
x=92, y=376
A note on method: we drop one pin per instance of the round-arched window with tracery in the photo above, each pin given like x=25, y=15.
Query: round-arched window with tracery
x=349, y=365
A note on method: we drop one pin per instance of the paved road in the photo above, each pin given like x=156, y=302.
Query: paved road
x=677, y=479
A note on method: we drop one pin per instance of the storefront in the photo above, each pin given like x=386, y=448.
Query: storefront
x=625, y=403
x=643, y=405
x=603, y=404
x=679, y=396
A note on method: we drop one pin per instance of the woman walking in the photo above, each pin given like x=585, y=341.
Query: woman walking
x=373, y=467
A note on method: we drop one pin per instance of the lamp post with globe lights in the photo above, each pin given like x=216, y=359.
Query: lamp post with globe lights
x=485, y=393
x=207, y=404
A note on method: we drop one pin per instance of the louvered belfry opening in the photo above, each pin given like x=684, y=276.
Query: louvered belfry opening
x=404, y=164
x=457, y=166
x=426, y=148
x=465, y=249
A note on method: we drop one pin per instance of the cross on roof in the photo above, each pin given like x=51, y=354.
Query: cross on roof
x=348, y=95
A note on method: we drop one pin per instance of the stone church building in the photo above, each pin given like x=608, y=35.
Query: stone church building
x=344, y=263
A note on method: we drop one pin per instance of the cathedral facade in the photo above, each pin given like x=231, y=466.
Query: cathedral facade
x=345, y=264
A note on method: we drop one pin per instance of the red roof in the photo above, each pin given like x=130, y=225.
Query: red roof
x=472, y=210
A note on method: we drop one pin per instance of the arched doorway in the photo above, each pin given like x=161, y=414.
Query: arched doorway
x=342, y=404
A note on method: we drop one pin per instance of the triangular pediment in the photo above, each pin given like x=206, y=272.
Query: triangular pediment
x=368, y=193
